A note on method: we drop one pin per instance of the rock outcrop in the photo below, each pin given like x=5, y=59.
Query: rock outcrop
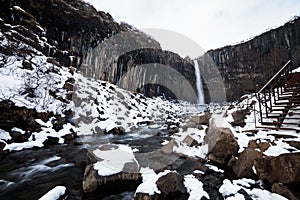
x=80, y=36
x=20, y=117
x=253, y=62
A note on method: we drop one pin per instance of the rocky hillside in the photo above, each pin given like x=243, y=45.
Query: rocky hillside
x=74, y=29
x=251, y=63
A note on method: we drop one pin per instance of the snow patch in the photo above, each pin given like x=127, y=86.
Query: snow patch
x=113, y=160
x=194, y=188
x=54, y=194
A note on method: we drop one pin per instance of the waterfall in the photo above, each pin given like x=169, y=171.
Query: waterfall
x=200, y=97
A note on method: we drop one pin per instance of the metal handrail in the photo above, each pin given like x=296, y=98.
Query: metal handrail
x=275, y=76
x=269, y=89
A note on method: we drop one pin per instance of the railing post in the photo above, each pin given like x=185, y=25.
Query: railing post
x=266, y=104
x=260, y=110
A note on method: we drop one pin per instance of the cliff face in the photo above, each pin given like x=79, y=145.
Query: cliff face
x=78, y=35
x=252, y=63
x=71, y=27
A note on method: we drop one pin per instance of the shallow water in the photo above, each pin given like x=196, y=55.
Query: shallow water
x=29, y=174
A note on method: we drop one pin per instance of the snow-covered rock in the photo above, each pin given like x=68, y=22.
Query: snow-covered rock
x=54, y=194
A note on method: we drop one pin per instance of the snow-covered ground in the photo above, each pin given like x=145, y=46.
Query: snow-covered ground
x=100, y=107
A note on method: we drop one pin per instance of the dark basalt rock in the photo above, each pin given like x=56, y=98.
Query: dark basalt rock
x=58, y=122
x=221, y=143
x=2, y=145
x=171, y=184
x=19, y=137
x=243, y=165
x=284, y=191
x=51, y=141
x=284, y=168
x=190, y=165
x=211, y=184
x=93, y=182
x=20, y=117
x=247, y=66
x=239, y=117
x=73, y=28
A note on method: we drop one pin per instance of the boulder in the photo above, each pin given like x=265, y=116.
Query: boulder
x=99, y=175
x=168, y=148
x=284, y=168
x=58, y=122
x=89, y=183
x=18, y=137
x=283, y=191
x=171, y=183
x=254, y=144
x=201, y=120
x=221, y=143
x=34, y=126
x=242, y=166
x=143, y=196
x=93, y=181
x=51, y=141
x=190, y=165
x=211, y=183
x=68, y=86
x=173, y=127
x=27, y=65
x=188, y=140
x=116, y=131
x=2, y=145
x=239, y=117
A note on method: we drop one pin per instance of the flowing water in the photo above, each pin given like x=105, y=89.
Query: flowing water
x=29, y=174
x=200, y=97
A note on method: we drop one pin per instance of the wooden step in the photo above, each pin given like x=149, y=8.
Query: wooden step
x=287, y=107
x=282, y=128
x=295, y=90
x=291, y=123
x=289, y=97
x=288, y=103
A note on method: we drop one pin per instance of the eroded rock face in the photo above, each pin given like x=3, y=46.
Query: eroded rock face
x=281, y=169
x=74, y=30
x=243, y=165
x=247, y=64
x=221, y=143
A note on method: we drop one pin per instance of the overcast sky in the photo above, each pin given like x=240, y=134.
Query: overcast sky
x=210, y=23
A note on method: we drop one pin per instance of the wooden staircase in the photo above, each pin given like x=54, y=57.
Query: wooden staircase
x=279, y=101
